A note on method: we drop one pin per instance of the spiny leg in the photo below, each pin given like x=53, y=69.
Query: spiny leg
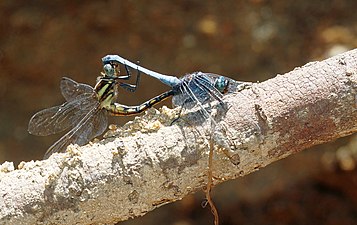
x=131, y=87
x=117, y=69
x=178, y=116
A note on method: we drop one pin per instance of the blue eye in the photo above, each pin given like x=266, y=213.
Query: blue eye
x=221, y=84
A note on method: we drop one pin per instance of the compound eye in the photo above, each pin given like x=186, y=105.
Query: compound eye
x=109, y=70
x=221, y=84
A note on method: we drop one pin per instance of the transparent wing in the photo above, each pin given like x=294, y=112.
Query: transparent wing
x=90, y=126
x=195, y=88
x=198, y=89
x=244, y=102
x=70, y=89
x=206, y=85
x=59, y=118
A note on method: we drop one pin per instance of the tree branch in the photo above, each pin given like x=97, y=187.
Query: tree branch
x=150, y=163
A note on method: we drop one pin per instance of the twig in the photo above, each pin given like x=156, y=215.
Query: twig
x=150, y=164
x=209, y=185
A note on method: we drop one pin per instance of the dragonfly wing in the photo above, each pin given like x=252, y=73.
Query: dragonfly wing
x=51, y=121
x=59, y=118
x=71, y=89
x=196, y=88
x=206, y=84
x=91, y=125
x=94, y=127
x=200, y=87
x=237, y=88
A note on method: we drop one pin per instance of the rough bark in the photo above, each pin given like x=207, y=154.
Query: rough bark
x=150, y=163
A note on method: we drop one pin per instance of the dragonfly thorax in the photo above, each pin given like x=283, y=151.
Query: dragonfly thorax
x=105, y=90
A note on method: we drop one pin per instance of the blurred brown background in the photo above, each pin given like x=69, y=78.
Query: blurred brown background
x=41, y=41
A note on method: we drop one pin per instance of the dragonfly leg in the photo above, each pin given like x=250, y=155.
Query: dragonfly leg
x=128, y=73
x=131, y=87
x=179, y=113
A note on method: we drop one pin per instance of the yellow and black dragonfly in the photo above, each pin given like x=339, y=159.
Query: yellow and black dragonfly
x=86, y=108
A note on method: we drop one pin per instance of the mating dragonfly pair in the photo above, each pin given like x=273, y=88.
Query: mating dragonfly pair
x=86, y=108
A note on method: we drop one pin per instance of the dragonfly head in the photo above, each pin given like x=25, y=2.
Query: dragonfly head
x=221, y=83
x=108, y=71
